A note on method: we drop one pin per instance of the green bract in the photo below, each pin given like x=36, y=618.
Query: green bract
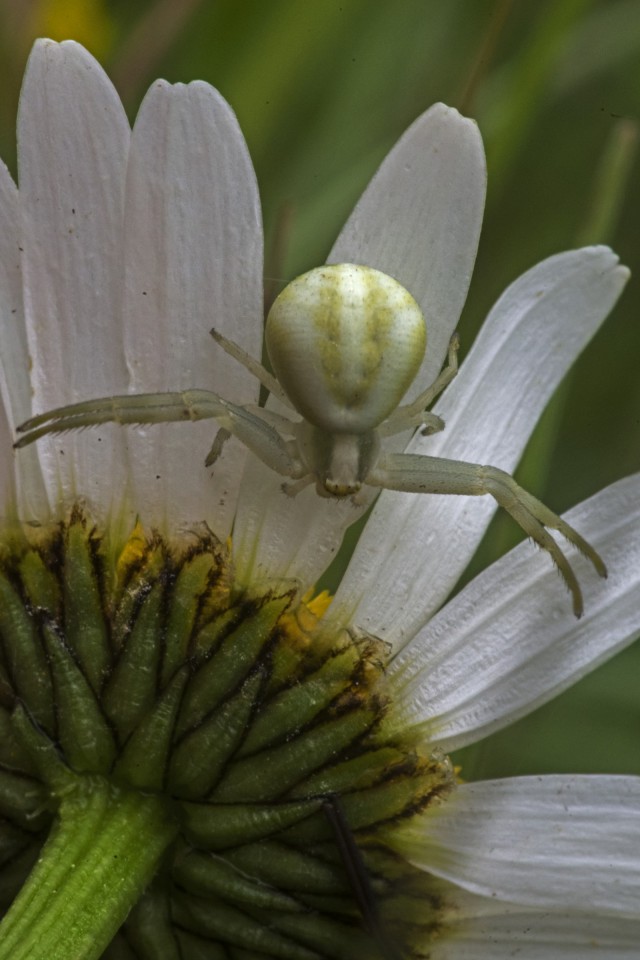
x=140, y=671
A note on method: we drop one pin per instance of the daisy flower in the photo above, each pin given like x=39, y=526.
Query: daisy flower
x=200, y=758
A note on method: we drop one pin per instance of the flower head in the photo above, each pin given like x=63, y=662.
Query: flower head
x=301, y=752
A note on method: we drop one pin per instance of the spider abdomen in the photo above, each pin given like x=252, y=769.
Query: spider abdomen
x=345, y=342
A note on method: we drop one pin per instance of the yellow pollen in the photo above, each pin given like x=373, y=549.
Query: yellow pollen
x=133, y=551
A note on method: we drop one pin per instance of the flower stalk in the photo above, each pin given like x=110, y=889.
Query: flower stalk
x=103, y=851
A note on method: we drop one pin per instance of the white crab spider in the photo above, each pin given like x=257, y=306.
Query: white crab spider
x=345, y=343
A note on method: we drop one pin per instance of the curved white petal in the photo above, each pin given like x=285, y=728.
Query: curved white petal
x=488, y=930
x=560, y=843
x=73, y=138
x=414, y=548
x=7, y=476
x=508, y=642
x=21, y=473
x=277, y=536
x=419, y=220
x=15, y=387
x=193, y=245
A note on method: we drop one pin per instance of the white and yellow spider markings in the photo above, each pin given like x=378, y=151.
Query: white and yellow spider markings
x=345, y=343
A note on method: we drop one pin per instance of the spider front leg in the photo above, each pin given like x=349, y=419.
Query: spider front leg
x=252, y=429
x=420, y=474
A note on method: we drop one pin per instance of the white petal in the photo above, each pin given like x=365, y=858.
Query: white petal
x=7, y=477
x=419, y=220
x=509, y=642
x=15, y=384
x=14, y=353
x=489, y=930
x=72, y=145
x=414, y=548
x=193, y=261
x=276, y=535
x=558, y=843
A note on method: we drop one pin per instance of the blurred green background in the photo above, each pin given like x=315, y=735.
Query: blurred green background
x=322, y=90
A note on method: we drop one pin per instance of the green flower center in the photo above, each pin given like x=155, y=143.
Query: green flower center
x=145, y=665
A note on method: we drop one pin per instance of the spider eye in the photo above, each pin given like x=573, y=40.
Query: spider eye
x=345, y=342
x=338, y=489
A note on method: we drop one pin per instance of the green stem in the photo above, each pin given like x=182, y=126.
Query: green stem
x=103, y=851
x=611, y=184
